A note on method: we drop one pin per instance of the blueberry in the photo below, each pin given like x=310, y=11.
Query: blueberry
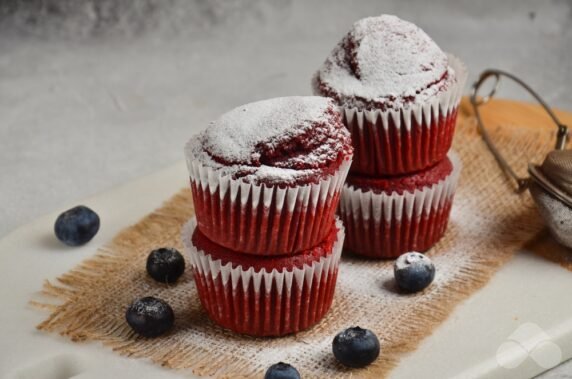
x=413, y=271
x=76, y=226
x=165, y=265
x=282, y=370
x=356, y=347
x=150, y=317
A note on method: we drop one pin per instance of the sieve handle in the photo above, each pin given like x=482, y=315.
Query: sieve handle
x=561, y=136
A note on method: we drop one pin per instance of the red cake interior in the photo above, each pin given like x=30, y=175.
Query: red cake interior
x=403, y=183
x=285, y=262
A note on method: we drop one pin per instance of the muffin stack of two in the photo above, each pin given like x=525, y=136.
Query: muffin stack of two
x=265, y=245
x=399, y=95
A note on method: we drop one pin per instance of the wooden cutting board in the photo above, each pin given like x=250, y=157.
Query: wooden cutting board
x=521, y=319
x=508, y=112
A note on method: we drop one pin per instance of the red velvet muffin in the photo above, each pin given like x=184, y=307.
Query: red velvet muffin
x=266, y=177
x=398, y=92
x=264, y=296
x=386, y=217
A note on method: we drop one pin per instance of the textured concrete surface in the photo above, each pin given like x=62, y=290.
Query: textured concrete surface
x=95, y=93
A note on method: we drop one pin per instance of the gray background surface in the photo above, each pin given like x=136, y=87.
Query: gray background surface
x=94, y=93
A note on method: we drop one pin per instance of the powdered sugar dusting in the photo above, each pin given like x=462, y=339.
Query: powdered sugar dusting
x=386, y=60
x=276, y=141
x=408, y=259
x=235, y=134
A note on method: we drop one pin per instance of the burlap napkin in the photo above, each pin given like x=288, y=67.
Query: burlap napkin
x=488, y=225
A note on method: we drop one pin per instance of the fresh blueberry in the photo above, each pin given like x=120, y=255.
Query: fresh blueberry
x=165, y=265
x=76, y=226
x=413, y=271
x=282, y=370
x=356, y=347
x=150, y=317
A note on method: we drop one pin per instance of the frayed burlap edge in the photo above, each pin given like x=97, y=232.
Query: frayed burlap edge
x=81, y=324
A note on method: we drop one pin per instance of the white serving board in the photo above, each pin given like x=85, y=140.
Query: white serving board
x=529, y=296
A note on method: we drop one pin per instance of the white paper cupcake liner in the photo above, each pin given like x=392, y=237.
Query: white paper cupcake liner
x=442, y=104
x=262, y=219
x=387, y=225
x=386, y=141
x=259, y=302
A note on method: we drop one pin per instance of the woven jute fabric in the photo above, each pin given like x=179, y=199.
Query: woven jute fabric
x=489, y=223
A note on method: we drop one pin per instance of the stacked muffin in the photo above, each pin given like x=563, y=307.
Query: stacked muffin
x=399, y=94
x=265, y=245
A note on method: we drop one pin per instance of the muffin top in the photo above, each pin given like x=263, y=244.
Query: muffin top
x=284, y=141
x=404, y=183
x=384, y=62
x=258, y=263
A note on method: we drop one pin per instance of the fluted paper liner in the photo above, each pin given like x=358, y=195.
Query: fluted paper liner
x=261, y=219
x=408, y=139
x=387, y=225
x=263, y=303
